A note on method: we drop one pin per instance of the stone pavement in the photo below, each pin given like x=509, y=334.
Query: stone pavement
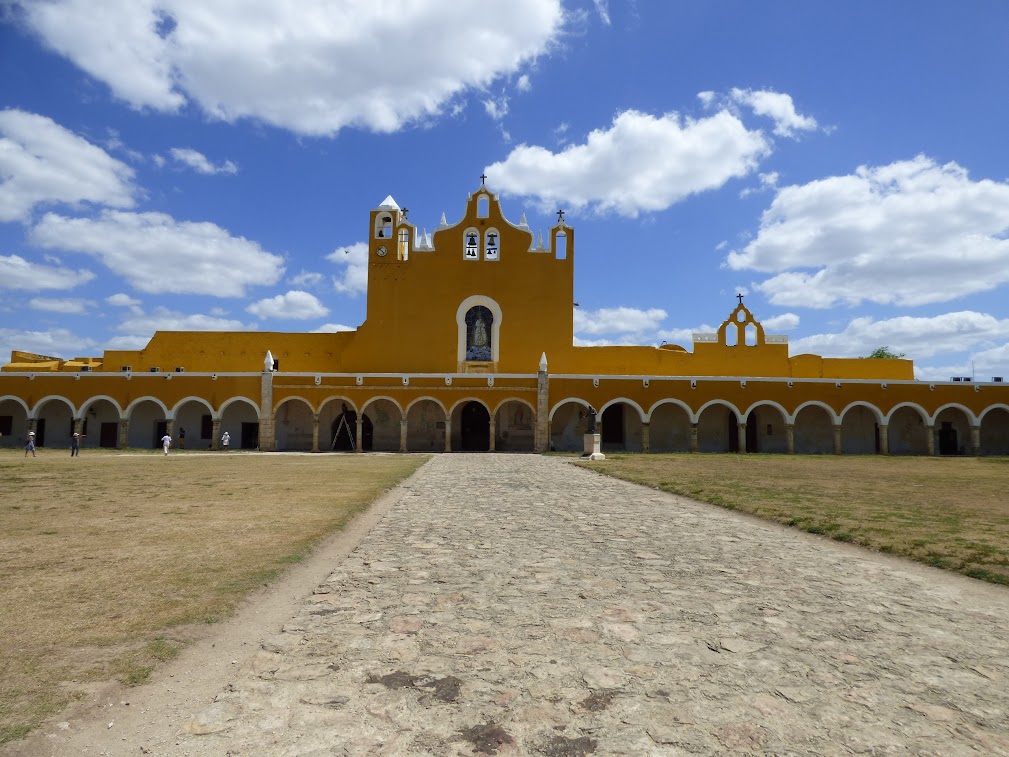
x=520, y=605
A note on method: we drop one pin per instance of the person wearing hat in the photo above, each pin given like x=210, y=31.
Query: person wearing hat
x=30, y=446
x=75, y=445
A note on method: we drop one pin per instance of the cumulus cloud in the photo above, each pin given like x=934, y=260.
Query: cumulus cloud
x=641, y=163
x=353, y=280
x=43, y=163
x=60, y=343
x=295, y=304
x=603, y=9
x=312, y=67
x=909, y=233
x=200, y=163
x=332, y=328
x=55, y=305
x=776, y=106
x=783, y=322
x=138, y=327
x=122, y=300
x=157, y=254
x=617, y=320
x=306, y=279
x=18, y=273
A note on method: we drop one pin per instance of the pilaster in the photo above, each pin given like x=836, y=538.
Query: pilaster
x=645, y=438
x=124, y=433
x=837, y=439
x=790, y=438
x=884, y=439
x=215, y=433
x=267, y=441
x=541, y=437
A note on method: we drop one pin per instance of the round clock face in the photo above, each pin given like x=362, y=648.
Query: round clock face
x=381, y=252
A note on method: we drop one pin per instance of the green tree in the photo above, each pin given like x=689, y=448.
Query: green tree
x=885, y=354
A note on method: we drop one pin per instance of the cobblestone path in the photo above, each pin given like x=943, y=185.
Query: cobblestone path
x=521, y=605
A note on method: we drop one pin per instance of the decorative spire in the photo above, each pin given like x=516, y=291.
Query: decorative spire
x=388, y=204
x=543, y=362
x=540, y=245
x=268, y=362
x=442, y=224
x=524, y=223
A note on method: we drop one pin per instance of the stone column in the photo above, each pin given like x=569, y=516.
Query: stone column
x=930, y=440
x=448, y=431
x=402, y=433
x=790, y=438
x=646, y=442
x=215, y=433
x=741, y=436
x=267, y=441
x=315, y=432
x=31, y=424
x=170, y=428
x=358, y=433
x=78, y=426
x=124, y=433
x=884, y=439
x=493, y=428
x=975, y=441
x=694, y=446
x=541, y=436
x=837, y=439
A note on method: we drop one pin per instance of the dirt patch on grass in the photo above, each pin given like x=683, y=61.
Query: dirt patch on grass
x=109, y=564
x=951, y=513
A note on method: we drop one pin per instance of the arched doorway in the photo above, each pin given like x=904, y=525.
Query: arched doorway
x=514, y=427
x=717, y=429
x=380, y=426
x=859, y=431
x=765, y=430
x=293, y=426
x=669, y=429
x=240, y=419
x=425, y=426
x=995, y=432
x=13, y=423
x=100, y=427
x=474, y=427
x=54, y=423
x=568, y=427
x=907, y=433
x=620, y=428
x=343, y=431
x=952, y=432
x=814, y=431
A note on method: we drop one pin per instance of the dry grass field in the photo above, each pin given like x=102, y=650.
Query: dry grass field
x=108, y=562
x=951, y=513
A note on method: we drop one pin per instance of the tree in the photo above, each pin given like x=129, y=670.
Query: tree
x=885, y=354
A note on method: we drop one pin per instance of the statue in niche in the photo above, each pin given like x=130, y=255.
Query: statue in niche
x=478, y=341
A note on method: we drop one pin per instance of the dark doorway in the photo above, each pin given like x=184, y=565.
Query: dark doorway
x=250, y=435
x=343, y=431
x=160, y=429
x=40, y=432
x=367, y=434
x=752, y=435
x=612, y=433
x=733, y=432
x=107, y=437
x=475, y=429
x=947, y=439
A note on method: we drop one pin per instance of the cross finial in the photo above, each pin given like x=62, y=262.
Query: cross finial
x=560, y=216
x=483, y=179
x=740, y=298
x=405, y=211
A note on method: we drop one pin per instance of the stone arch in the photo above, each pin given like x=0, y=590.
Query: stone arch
x=813, y=428
x=189, y=414
x=232, y=400
x=717, y=427
x=91, y=400
x=470, y=426
x=569, y=422
x=381, y=418
x=100, y=419
x=907, y=430
x=14, y=413
x=239, y=418
x=514, y=425
x=146, y=416
x=426, y=425
x=951, y=429
x=128, y=412
x=994, y=431
x=330, y=410
x=669, y=426
x=478, y=300
x=54, y=421
x=50, y=398
x=293, y=425
x=765, y=427
x=620, y=430
x=860, y=423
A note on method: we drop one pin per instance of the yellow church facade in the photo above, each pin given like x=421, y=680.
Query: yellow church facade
x=468, y=344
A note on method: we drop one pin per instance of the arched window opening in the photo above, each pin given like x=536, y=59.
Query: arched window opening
x=403, y=250
x=483, y=206
x=479, y=323
x=751, y=335
x=383, y=226
x=471, y=249
x=560, y=245
x=491, y=251
x=731, y=335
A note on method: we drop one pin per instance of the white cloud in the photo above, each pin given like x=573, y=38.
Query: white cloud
x=295, y=305
x=523, y=84
x=200, y=163
x=603, y=9
x=908, y=233
x=157, y=254
x=41, y=162
x=783, y=322
x=497, y=109
x=69, y=305
x=617, y=320
x=54, y=342
x=332, y=328
x=642, y=163
x=18, y=273
x=353, y=280
x=139, y=327
x=777, y=106
x=313, y=67
x=122, y=300
x=306, y=279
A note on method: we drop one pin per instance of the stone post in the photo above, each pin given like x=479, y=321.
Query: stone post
x=78, y=426
x=267, y=441
x=493, y=427
x=358, y=433
x=315, y=432
x=741, y=436
x=541, y=436
x=448, y=431
x=930, y=440
x=215, y=433
x=124, y=433
x=975, y=441
x=402, y=434
x=884, y=439
x=646, y=442
x=790, y=438
x=170, y=428
x=694, y=446
x=837, y=439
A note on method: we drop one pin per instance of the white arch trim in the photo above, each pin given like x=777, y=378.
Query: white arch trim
x=232, y=400
x=834, y=417
x=200, y=400
x=709, y=403
x=970, y=415
x=373, y=400
x=423, y=399
x=35, y=409
x=466, y=401
x=19, y=401
x=504, y=402
x=96, y=398
x=495, y=329
x=921, y=412
x=670, y=401
x=868, y=406
x=576, y=400
x=616, y=400
x=129, y=408
x=988, y=409
x=769, y=403
x=338, y=398
x=292, y=398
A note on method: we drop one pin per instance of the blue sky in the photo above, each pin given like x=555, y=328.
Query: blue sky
x=173, y=164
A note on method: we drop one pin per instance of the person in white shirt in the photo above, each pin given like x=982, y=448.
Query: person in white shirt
x=166, y=442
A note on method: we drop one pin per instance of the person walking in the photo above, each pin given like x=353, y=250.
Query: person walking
x=182, y=437
x=166, y=442
x=30, y=446
x=225, y=441
x=75, y=445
